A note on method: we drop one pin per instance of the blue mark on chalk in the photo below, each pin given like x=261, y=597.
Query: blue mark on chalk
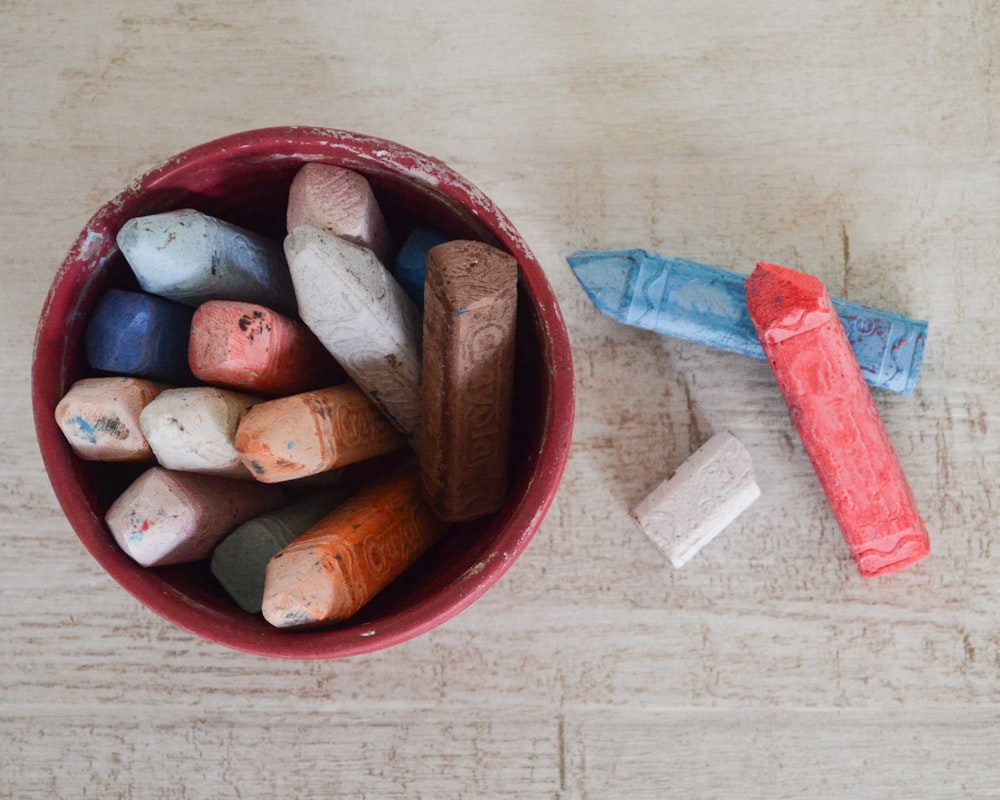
x=87, y=430
x=291, y=445
x=460, y=311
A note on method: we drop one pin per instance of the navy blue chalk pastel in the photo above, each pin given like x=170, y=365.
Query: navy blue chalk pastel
x=411, y=262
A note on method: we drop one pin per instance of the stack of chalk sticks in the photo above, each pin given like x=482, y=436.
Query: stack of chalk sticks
x=252, y=374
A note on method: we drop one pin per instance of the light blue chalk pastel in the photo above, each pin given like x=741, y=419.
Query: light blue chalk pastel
x=240, y=560
x=411, y=261
x=191, y=257
x=707, y=305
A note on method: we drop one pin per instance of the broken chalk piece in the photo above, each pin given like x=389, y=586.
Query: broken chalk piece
x=707, y=492
x=191, y=257
x=130, y=333
x=411, y=261
x=254, y=349
x=305, y=434
x=339, y=201
x=468, y=373
x=192, y=429
x=100, y=418
x=707, y=305
x=239, y=560
x=362, y=316
x=837, y=419
x=349, y=556
x=167, y=517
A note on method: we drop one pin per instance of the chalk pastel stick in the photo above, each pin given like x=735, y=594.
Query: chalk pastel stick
x=337, y=566
x=100, y=418
x=707, y=305
x=193, y=429
x=130, y=333
x=239, y=560
x=468, y=375
x=168, y=517
x=836, y=418
x=305, y=434
x=411, y=261
x=339, y=201
x=191, y=257
x=707, y=492
x=254, y=349
x=362, y=316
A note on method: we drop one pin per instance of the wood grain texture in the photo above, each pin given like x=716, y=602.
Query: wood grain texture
x=856, y=141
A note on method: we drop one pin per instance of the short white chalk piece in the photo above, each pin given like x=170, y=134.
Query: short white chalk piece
x=709, y=490
x=193, y=429
x=363, y=317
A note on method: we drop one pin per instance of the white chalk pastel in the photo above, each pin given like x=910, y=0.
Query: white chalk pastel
x=709, y=490
x=193, y=429
x=100, y=418
x=340, y=201
x=363, y=317
x=167, y=517
x=191, y=257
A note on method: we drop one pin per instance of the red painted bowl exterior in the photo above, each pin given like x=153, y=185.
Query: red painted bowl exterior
x=244, y=179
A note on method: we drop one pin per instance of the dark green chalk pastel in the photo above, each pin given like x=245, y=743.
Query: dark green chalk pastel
x=239, y=560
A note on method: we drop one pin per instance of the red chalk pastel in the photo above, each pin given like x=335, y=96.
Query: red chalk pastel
x=249, y=347
x=836, y=418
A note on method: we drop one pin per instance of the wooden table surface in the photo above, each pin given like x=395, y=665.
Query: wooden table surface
x=854, y=140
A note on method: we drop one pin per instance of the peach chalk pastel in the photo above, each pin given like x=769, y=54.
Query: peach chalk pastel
x=239, y=560
x=336, y=567
x=341, y=202
x=100, y=418
x=255, y=349
x=713, y=486
x=167, y=517
x=363, y=318
x=193, y=429
x=313, y=432
x=837, y=419
x=470, y=306
x=191, y=257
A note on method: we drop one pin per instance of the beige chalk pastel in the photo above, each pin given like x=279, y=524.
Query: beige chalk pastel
x=305, y=434
x=167, y=517
x=193, y=429
x=100, y=418
x=340, y=201
x=707, y=492
x=363, y=317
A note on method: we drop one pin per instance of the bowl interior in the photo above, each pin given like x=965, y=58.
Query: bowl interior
x=244, y=179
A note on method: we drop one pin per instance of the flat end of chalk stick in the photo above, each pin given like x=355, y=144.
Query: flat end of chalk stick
x=910, y=547
x=784, y=302
x=606, y=277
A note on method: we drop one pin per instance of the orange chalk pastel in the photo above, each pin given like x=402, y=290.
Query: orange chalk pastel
x=313, y=432
x=337, y=566
x=253, y=348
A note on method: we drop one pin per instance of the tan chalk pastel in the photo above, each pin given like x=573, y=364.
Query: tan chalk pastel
x=100, y=418
x=340, y=201
x=192, y=429
x=167, y=517
x=308, y=433
x=337, y=566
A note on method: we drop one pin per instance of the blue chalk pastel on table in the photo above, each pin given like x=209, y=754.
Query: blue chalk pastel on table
x=411, y=261
x=130, y=333
x=707, y=305
x=190, y=257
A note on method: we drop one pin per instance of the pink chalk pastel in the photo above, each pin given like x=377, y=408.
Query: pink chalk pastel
x=168, y=517
x=341, y=202
x=253, y=349
x=836, y=418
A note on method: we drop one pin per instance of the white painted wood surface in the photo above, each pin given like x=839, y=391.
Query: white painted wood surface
x=857, y=140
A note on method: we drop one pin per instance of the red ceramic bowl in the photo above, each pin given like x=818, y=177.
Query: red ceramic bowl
x=244, y=179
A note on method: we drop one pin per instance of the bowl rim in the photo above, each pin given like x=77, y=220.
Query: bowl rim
x=95, y=246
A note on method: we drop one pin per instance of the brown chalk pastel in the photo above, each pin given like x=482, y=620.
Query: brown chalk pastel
x=313, y=432
x=470, y=299
x=349, y=556
x=340, y=201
